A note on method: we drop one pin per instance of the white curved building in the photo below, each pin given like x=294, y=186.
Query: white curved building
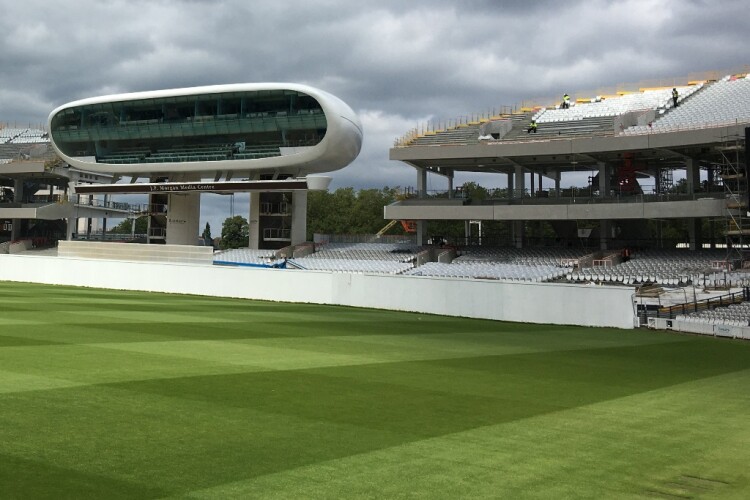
x=276, y=128
x=271, y=134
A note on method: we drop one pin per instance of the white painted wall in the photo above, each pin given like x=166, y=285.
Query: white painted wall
x=524, y=302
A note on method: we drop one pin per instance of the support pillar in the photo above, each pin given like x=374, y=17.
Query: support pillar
x=254, y=221
x=519, y=187
x=519, y=233
x=15, y=232
x=422, y=193
x=694, y=233
x=605, y=233
x=605, y=175
x=449, y=175
x=510, y=185
x=183, y=218
x=299, y=217
x=693, y=176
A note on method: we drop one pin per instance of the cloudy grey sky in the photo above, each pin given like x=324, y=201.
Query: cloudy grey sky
x=396, y=63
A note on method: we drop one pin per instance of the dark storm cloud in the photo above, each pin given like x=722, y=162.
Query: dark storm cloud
x=396, y=63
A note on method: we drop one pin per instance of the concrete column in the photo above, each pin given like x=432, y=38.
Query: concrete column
x=15, y=232
x=693, y=176
x=104, y=219
x=540, y=187
x=605, y=233
x=254, y=220
x=604, y=178
x=183, y=218
x=532, y=190
x=520, y=183
x=422, y=193
x=510, y=185
x=557, y=184
x=519, y=233
x=299, y=217
x=450, y=184
x=72, y=223
x=694, y=233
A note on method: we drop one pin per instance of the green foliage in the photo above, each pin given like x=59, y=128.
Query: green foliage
x=206, y=235
x=474, y=191
x=346, y=211
x=235, y=233
x=126, y=226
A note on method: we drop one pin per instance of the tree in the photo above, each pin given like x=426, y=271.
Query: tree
x=345, y=211
x=206, y=232
x=235, y=233
x=126, y=226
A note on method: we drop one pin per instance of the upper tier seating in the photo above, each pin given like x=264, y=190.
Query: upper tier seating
x=200, y=152
x=468, y=134
x=724, y=102
x=9, y=135
x=615, y=106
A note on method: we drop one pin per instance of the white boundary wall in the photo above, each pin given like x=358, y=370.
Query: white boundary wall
x=568, y=304
x=716, y=330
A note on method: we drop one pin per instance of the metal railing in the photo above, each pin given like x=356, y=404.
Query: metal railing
x=669, y=312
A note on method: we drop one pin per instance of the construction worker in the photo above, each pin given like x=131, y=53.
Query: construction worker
x=675, y=95
x=532, y=127
x=566, y=102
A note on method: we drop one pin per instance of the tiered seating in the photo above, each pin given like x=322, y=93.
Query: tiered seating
x=30, y=136
x=397, y=252
x=722, y=103
x=733, y=315
x=121, y=157
x=585, y=127
x=468, y=134
x=258, y=151
x=490, y=270
x=209, y=152
x=615, y=106
x=526, y=256
x=386, y=258
x=245, y=256
x=655, y=266
x=353, y=265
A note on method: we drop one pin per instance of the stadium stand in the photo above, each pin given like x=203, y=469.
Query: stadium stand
x=723, y=102
x=614, y=106
x=385, y=258
x=12, y=135
x=667, y=267
x=732, y=315
x=352, y=265
x=245, y=256
x=490, y=270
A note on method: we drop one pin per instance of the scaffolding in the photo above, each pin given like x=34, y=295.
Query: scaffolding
x=733, y=173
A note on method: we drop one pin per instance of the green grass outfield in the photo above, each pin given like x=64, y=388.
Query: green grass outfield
x=107, y=394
